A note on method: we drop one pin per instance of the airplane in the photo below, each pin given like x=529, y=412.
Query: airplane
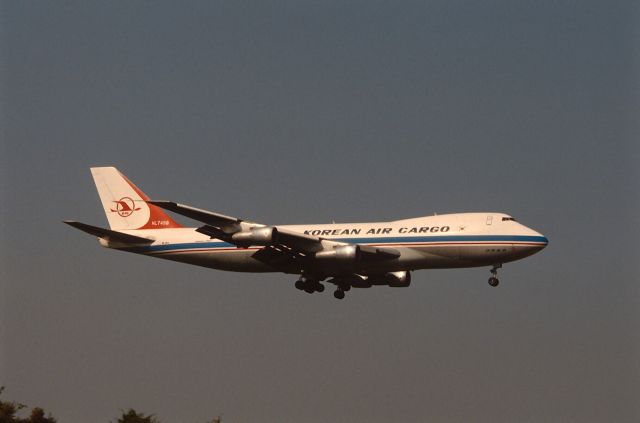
x=347, y=255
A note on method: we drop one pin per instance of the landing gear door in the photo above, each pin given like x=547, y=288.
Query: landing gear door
x=489, y=220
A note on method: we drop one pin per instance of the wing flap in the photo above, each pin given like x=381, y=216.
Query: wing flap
x=280, y=258
x=378, y=253
x=214, y=232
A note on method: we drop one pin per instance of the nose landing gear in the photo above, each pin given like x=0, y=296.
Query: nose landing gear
x=342, y=286
x=493, y=280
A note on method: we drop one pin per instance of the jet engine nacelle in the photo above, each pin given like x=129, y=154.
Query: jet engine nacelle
x=398, y=279
x=343, y=254
x=264, y=235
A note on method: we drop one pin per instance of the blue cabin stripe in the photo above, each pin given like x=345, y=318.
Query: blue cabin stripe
x=373, y=240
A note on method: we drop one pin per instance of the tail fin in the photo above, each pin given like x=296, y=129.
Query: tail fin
x=125, y=204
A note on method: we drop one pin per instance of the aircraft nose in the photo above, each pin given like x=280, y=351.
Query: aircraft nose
x=540, y=241
x=544, y=241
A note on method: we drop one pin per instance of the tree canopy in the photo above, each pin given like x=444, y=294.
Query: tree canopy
x=132, y=416
x=10, y=410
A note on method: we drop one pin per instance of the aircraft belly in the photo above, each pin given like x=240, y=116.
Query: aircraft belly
x=489, y=254
x=453, y=256
x=431, y=257
x=239, y=260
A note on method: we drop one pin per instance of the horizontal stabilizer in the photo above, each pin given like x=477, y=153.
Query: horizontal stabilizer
x=108, y=234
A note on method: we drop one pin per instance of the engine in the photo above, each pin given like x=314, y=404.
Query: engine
x=398, y=279
x=393, y=279
x=264, y=235
x=344, y=254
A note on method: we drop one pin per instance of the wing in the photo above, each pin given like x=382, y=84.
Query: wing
x=213, y=219
x=243, y=233
x=282, y=248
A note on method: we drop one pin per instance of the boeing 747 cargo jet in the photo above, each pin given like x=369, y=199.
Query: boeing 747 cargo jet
x=347, y=255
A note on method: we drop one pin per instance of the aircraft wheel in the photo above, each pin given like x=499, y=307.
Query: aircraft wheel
x=299, y=284
x=309, y=289
x=339, y=294
x=320, y=287
x=493, y=281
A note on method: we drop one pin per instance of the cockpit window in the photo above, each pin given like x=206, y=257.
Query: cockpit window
x=508, y=218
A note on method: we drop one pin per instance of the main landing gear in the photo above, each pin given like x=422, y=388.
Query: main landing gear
x=309, y=285
x=493, y=280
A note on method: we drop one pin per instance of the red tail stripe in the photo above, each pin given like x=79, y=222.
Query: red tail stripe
x=158, y=219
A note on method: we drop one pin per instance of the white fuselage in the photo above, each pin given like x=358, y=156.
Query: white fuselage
x=441, y=241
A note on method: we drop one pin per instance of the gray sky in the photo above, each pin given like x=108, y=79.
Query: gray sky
x=308, y=112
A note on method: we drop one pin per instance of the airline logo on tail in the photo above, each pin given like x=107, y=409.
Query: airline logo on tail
x=125, y=207
x=125, y=204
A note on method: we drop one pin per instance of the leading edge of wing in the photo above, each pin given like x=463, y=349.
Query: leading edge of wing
x=210, y=218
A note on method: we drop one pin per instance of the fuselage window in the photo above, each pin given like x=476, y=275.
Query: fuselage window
x=508, y=218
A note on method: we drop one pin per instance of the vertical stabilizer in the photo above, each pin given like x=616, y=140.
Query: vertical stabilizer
x=125, y=204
